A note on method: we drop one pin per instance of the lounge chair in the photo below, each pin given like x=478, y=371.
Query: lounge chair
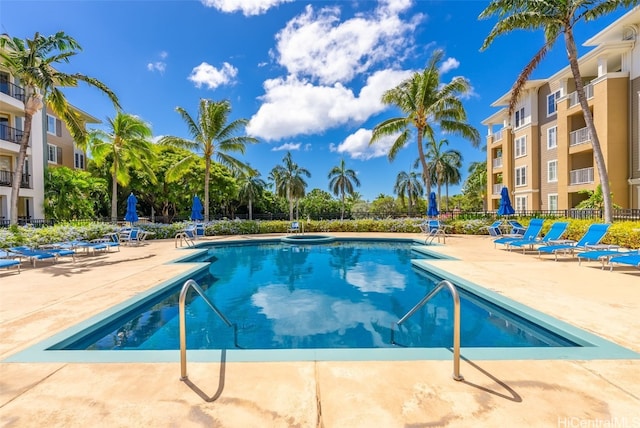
x=434, y=229
x=495, y=228
x=603, y=255
x=132, y=236
x=8, y=260
x=33, y=255
x=295, y=227
x=530, y=233
x=592, y=236
x=187, y=235
x=516, y=227
x=630, y=259
x=555, y=233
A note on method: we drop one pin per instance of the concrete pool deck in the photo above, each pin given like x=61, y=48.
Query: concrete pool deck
x=50, y=298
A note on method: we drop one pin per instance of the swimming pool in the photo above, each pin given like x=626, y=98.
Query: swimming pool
x=386, y=289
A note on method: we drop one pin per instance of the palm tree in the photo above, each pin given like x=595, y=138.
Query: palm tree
x=555, y=18
x=31, y=62
x=442, y=162
x=341, y=181
x=452, y=174
x=211, y=135
x=475, y=186
x=426, y=103
x=251, y=187
x=408, y=183
x=289, y=181
x=125, y=145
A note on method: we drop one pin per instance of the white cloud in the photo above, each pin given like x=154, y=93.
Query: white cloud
x=206, y=74
x=158, y=66
x=164, y=54
x=448, y=65
x=247, y=7
x=320, y=46
x=286, y=146
x=296, y=107
x=357, y=145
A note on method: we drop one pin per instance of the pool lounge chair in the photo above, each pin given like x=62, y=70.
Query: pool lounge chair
x=592, y=236
x=555, y=233
x=530, y=233
x=494, y=228
x=8, y=260
x=516, y=227
x=33, y=255
x=434, y=229
x=603, y=255
x=630, y=259
x=295, y=227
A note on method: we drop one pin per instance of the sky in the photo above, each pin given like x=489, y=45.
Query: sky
x=307, y=75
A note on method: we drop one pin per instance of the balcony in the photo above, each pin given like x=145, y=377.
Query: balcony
x=581, y=176
x=14, y=91
x=6, y=179
x=497, y=162
x=580, y=136
x=8, y=133
x=573, y=96
x=497, y=188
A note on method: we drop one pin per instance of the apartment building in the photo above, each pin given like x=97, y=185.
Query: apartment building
x=50, y=145
x=542, y=152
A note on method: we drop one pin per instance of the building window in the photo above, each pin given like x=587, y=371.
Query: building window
x=552, y=99
x=51, y=124
x=552, y=140
x=521, y=176
x=79, y=159
x=553, y=202
x=520, y=146
x=53, y=153
x=521, y=203
x=552, y=171
x=519, y=117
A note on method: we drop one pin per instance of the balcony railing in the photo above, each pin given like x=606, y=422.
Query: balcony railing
x=497, y=162
x=497, y=136
x=580, y=136
x=581, y=176
x=6, y=179
x=8, y=133
x=12, y=90
x=573, y=96
x=497, y=188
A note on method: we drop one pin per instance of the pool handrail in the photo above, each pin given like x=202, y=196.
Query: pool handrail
x=456, y=321
x=190, y=283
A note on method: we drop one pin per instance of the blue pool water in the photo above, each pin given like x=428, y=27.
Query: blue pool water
x=346, y=294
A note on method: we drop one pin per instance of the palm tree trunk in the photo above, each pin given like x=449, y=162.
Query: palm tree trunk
x=207, y=169
x=342, y=212
x=446, y=189
x=425, y=173
x=17, y=173
x=250, y=210
x=114, y=197
x=572, y=53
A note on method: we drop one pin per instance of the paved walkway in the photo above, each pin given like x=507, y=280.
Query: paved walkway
x=44, y=300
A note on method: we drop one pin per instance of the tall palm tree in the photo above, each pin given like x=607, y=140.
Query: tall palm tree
x=408, y=183
x=452, y=175
x=31, y=61
x=211, y=135
x=251, y=187
x=555, y=18
x=441, y=161
x=289, y=181
x=426, y=103
x=125, y=145
x=341, y=181
x=475, y=186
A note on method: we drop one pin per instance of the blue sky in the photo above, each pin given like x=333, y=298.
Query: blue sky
x=307, y=74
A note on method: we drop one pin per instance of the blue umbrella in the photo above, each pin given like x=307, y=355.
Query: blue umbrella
x=505, y=207
x=196, y=209
x=433, y=206
x=131, y=214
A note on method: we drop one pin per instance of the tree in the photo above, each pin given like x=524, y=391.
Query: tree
x=251, y=187
x=71, y=194
x=555, y=18
x=32, y=62
x=443, y=163
x=595, y=199
x=408, y=183
x=289, y=181
x=125, y=145
x=341, y=181
x=319, y=204
x=383, y=206
x=426, y=103
x=475, y=186
x=211, y=134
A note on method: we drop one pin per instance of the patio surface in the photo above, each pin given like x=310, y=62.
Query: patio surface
x=47, y=299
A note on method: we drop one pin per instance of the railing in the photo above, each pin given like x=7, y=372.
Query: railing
x=579, y=136
x=497, y=136
x=497, y=162
x=6, y=179
x=183, y=322
x=497, y=188
x=14, y=135
x=573, y=96
x=456, y=321
x=12, y=90
x=581, y=176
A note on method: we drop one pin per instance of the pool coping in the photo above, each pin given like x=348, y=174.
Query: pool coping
x=594, y=347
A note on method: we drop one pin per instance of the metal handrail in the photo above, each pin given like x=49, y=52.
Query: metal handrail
x=183, y=322
x=456, y=321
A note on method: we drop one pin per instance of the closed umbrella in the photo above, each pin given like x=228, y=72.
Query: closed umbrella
x=432, y=211
x=505, y=207
x=131, y=215
x=196, y=209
